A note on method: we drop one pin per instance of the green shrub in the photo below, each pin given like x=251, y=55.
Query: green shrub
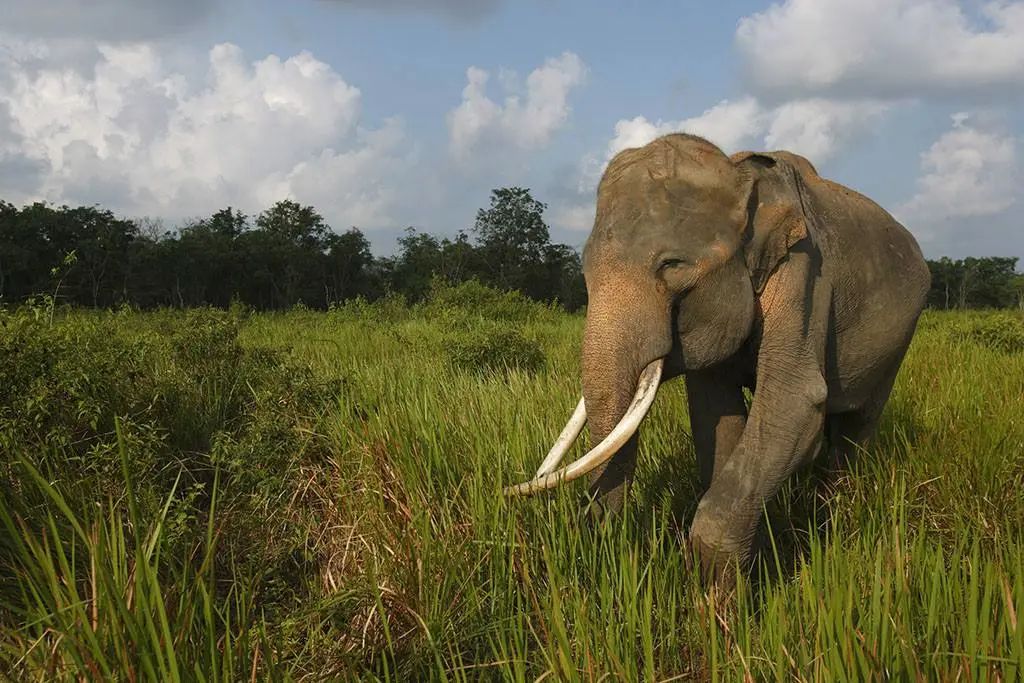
x=61, y=388
x=446, y=301
x=192, y=402
x=489, y=346
x=998, y=331
x=389, y=309
x=476, y=299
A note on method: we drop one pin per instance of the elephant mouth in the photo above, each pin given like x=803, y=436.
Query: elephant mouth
x=549, y=477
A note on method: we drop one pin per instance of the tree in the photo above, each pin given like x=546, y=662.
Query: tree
x=208, y=257
x=296, y=224
x=227, y=222
x=993, y=281
x=350, y=267
x=286, y=253
x=512, y=237
x=944, y=281
x=973, y=283
x=1018, y=288
x=100, y=241
x=563, y=279
x=23, y=255
x=417, y=261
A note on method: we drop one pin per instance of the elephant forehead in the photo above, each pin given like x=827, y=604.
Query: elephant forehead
x=642, y=202
x=645, y=193
x=660, y=222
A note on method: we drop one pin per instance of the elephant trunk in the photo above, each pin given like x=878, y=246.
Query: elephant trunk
x=620, y=340
x=622, y=369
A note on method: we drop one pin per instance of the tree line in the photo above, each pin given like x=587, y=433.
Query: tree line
x=285, y=256
x=288, y=254
x=990, y=282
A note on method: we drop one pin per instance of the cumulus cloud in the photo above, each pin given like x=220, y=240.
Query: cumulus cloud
x=968, y=172
x=525, y=120
x=112, y=20
x=455, y=9
x=18, y=173
x=883, y=48
x=819, y=128
x=816, y=128
x=140, y=138
x=729, y=125
x=575, y=217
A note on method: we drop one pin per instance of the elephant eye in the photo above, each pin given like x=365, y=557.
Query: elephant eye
x=671, y=263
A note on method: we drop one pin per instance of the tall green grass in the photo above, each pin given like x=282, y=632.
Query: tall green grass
x=343, y=518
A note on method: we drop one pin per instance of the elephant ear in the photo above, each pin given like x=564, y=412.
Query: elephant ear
x=776, y=218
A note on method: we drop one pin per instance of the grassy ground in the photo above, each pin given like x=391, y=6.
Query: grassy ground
x=311, y=496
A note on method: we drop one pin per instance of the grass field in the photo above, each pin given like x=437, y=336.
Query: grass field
x=316, y=496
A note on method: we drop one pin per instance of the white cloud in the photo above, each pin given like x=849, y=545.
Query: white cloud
x=358, y=183
x=968, y=172
x=139, y=138
x=477, y=113
x=816, y=128
x=524, y=121
x=883, y=48
x=727, y=124
x=576, y=217
x=819, y=128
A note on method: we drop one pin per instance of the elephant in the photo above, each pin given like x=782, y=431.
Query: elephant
x=737, y=272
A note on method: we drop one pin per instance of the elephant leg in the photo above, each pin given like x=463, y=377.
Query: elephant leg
x=718, y=415
x=783, y=431
x=849, y=431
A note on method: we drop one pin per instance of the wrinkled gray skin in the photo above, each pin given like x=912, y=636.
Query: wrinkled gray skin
x=750, y=271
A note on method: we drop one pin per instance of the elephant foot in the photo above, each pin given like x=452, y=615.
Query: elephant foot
x=720, y=556
x=603, y=502
x=716, y=568
x=598, y=510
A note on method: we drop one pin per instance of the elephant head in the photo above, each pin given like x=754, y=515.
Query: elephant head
x=678, y=252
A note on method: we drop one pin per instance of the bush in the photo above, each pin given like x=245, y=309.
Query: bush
x=447, y=302
x=389, y=309
x=191, y=402
x=490, y=346
x=998, y=331
x=476, y=299
x=61, y=388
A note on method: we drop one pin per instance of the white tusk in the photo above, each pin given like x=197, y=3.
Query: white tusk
x=565, y=440
x=646, y=389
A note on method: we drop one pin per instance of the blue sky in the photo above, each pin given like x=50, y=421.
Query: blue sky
x=388, y=113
